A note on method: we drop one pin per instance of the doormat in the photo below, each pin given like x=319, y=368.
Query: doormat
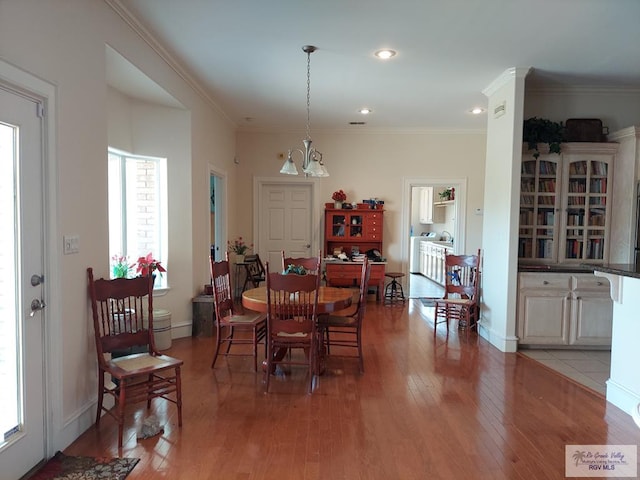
x=428, y=302
x=63, y=467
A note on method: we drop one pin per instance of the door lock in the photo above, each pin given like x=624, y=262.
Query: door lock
x=36, y=280
x=36, y=305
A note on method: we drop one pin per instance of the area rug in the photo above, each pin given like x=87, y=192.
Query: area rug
x=428, y=302
x=63, y=467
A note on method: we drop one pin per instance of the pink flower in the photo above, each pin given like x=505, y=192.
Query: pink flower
x=147, y=265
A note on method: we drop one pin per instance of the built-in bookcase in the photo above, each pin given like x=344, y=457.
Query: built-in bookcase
x=565, y=204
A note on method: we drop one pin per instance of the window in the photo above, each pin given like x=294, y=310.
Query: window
x=138, y=208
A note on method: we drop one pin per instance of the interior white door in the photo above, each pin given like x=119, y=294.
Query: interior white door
x=285, y=222
x=22, y=420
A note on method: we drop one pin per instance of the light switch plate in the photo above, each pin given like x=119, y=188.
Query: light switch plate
x=71, y=244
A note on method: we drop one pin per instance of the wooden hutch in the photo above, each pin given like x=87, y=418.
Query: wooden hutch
x=353, y=231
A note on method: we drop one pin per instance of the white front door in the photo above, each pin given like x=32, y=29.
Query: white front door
x=22, y=421
x=285, y=222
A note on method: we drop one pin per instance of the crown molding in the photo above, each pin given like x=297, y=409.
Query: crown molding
x=624, y=133
x=130, y=19
x=607, y=90
x=358, y=131
x=505, y=78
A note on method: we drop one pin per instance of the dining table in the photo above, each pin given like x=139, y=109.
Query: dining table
x=330, y=299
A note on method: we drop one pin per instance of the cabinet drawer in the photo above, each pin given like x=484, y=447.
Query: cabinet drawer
x=591, y=282
x=343, y=270
x=349, y=274
x=377, y=273
x=545, y=280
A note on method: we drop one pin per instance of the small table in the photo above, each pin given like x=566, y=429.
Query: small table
x=330, y=299
x=238, y=278
x=203, y=313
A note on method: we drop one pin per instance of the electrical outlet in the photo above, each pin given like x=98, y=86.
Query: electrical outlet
x=71, y=244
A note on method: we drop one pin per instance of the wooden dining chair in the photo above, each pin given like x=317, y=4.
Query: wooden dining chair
x=233, y=328
x=123, y=323
x=254, y=271
x=310, y=264
x=344, y=328
x=461, y=300
x=292, y=304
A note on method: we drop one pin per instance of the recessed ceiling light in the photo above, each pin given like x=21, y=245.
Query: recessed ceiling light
x=477, y=110
x=365, y=111
x=385, y=53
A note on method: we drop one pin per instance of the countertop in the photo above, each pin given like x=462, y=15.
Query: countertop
x=556, y=268
x=623, y=269
x=442, y=243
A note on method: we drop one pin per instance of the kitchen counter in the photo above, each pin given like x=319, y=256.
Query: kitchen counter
x=624, y=269
x=556, y=268
x=416, y=264
x=623, y=386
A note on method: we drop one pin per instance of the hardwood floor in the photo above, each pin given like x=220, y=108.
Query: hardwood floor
x=423, y=409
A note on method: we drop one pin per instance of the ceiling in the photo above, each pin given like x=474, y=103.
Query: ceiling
x=247, y=55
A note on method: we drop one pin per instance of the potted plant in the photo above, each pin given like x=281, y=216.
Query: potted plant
x=148, y=265
x=120, y=266
x=240, y=248
x=339, y=198
x=540, y=130
x=447, y=194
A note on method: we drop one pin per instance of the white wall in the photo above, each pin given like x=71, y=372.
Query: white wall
x=624, y=208
x=502, y=194
x=63, y=42
x=617, y=108
x=154, y=130
x=372, y=165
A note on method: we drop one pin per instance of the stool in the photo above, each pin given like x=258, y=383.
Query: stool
x=393, y=291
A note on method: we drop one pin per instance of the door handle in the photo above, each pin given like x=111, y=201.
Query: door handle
x=36, y=305
x=36, y=280
x=307, y=245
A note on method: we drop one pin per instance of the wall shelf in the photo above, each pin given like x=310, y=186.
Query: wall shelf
x=444, y=203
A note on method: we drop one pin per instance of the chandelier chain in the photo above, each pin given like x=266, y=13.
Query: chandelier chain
x=308, y=95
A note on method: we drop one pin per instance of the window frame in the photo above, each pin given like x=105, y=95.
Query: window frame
x=120, y=222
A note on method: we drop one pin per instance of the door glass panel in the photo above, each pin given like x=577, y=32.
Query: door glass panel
x=11, y=393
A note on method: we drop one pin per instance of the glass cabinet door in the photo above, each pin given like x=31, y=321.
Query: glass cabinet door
x=538, y=206
x=355, y=227
x=338, y=225
x=585, y=225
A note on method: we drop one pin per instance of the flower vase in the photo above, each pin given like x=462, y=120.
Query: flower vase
x=239, y=258
x=337, y=204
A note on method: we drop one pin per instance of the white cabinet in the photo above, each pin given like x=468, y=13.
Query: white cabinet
x=430, y=211
x=564, y=309
x=565, y=204
x=426, y=205
x=432, y=261
x=591, y=304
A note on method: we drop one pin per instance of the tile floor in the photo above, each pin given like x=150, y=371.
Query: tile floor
x=587, y=367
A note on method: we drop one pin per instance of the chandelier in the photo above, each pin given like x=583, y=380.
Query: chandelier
x=312, y=165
